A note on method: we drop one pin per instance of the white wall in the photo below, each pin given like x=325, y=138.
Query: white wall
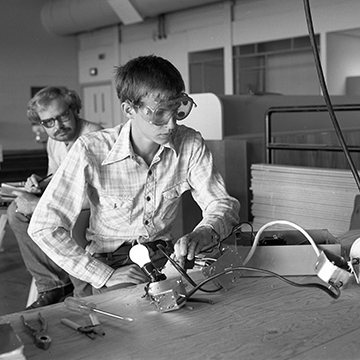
x=187, y=31
x=29, y=56
x=100, y=50
x=253, y=21
x=343, y=60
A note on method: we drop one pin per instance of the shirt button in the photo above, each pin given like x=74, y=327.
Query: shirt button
x=148, y=198
x=146, y=222
x=150, y=172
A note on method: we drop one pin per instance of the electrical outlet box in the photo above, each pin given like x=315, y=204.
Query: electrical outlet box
x=285, y=252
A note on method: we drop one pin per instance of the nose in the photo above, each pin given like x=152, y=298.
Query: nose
x=172, y=123
x=58, y=124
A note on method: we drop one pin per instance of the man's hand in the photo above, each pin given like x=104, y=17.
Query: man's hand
x=32, y=184
x=193, y=243
x=25, y=202
x=130, y=275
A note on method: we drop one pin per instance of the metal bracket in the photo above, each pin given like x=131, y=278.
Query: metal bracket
x=225, y=260
x=166, y=294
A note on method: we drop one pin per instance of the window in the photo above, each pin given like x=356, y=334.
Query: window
x=206, y=71
x=283, y=67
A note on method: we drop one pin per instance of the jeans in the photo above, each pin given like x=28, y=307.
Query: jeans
x=48, y=276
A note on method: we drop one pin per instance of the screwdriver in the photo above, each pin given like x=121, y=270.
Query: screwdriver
x=83, y=307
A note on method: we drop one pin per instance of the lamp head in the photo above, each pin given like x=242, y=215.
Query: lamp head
x=139, y=254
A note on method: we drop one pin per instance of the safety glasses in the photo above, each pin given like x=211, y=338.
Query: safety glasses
x=177, y=109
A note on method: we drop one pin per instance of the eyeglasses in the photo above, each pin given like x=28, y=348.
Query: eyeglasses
x=163, y=112
x=63, y=117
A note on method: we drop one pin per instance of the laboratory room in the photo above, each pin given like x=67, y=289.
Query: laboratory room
x=179, y=179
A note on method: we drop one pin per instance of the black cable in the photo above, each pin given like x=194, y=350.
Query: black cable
x=237, y=229
x=182, y=271
x=240, y=225
x=334, y=294
x=326, y=94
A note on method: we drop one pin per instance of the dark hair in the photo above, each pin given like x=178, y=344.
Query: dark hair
x=147, y=74
x=42, y=98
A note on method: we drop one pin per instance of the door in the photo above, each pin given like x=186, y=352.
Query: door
x=97, y=103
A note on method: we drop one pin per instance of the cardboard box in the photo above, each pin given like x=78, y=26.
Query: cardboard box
x=285, y=252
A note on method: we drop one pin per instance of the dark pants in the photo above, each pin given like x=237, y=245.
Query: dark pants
x=48, y=275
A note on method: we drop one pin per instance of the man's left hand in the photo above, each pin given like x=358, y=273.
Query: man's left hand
x=193, y=243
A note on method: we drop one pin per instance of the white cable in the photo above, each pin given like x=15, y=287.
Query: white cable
x=283, y=222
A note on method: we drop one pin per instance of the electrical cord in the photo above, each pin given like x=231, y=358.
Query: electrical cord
x=237, y=229
x=326, y=93
x=183, y=272
x=333, y=291
x=282, y=222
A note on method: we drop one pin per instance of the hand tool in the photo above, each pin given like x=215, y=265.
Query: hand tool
x=42, y=338
x=83, y=307
x=89, y=330
x=95, y=321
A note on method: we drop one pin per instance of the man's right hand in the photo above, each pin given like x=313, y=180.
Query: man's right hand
x=129, y=274
x=32, y=184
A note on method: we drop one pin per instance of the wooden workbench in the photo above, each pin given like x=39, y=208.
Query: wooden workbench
x=258, y=318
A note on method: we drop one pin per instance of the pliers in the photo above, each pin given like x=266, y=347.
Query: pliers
x=42, y=338
x=89, y=330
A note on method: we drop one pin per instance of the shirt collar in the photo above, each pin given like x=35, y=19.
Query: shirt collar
x=123, y=148
x=171, y=145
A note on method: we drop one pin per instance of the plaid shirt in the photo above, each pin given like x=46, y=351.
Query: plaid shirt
x=129, y=200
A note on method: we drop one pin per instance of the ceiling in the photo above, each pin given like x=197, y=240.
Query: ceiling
x=69, y=17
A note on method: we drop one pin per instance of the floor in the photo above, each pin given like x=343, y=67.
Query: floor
x=14, y=278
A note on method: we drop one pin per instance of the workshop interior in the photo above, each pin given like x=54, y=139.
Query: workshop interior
x=277, y=86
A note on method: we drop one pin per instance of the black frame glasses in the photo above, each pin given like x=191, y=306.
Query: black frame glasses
x=63, y=117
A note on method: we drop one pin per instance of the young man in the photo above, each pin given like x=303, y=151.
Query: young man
x=134, y=175
x=57, y=110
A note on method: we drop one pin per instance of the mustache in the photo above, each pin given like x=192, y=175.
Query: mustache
x=61, y=130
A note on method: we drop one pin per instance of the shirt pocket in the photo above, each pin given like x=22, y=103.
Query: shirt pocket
x=116, y=210
x=171, y=199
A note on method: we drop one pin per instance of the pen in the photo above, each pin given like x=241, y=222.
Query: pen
x=44, y=178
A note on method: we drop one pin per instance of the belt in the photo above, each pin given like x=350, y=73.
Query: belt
x=125, y=248
x=122, y=250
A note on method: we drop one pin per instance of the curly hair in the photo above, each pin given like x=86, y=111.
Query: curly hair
x=42, y=99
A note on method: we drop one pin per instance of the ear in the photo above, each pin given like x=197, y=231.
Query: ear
x=127, y=109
